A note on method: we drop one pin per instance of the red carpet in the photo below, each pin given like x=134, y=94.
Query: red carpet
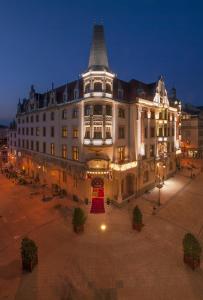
x=97, y=206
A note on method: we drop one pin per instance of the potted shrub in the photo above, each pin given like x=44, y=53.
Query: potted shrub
x=137, y=219
x=192, y=251
x=28, y=254
x=79, y=219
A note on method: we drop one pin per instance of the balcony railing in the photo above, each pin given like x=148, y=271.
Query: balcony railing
x=97, y=94
x=98, y=142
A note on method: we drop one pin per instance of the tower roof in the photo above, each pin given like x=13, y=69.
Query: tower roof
x=98, y=60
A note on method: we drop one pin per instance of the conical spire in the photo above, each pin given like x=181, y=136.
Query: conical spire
x=98, y=60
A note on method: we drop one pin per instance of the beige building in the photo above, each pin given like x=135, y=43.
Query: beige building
x=192, y=131
x=99, y=131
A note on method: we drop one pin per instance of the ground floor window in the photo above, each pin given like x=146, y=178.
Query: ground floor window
x=75, y=153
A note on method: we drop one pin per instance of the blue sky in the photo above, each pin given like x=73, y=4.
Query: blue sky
x=48, y=41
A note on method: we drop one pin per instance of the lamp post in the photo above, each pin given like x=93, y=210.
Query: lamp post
x=159, y=186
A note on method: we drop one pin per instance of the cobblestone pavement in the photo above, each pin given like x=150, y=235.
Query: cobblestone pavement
x=118, y=264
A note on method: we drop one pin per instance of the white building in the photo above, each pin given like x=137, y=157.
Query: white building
x=124, y=134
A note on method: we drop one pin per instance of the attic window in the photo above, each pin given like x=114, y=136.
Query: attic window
x=76, y=94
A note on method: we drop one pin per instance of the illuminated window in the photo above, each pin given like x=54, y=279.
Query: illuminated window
x=108, y=132
x=75, y=153
x=75, y=133
x=121, y=153
x=64, y=132
x=64, y=151
x=52, y=148
x=97, y=132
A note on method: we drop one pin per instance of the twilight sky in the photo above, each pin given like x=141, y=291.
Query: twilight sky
x=45, y=41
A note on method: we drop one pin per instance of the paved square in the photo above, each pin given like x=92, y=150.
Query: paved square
x=118, y=264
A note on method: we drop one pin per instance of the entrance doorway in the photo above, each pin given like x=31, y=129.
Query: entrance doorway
x=97, y=196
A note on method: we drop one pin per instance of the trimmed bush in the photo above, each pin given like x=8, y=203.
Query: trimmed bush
x=137, y=219
x=79, y=219
x=192, y=250
x=28, y=254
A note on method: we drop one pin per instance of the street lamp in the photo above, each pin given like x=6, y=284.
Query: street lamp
x=159, y=186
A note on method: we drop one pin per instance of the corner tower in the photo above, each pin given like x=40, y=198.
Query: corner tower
x=98, y=79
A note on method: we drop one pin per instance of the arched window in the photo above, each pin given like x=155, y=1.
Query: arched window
x=108, y=88
x=98, y=87
x=87, y=88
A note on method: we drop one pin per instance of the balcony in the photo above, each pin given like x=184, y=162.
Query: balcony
x=98, y=142
x=97, y=94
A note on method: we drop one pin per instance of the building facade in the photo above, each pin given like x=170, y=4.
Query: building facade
x=192, y=131
x=3, y=145
x=126, y=134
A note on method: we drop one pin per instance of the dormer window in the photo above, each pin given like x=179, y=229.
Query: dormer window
x=98, y=87
x=76, y=94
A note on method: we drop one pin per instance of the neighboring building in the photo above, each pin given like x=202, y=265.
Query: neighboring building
x=99, y=131
x=192, y=131
x=3, y=144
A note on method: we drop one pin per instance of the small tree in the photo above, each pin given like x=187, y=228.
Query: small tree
x=28, y=254
x=79, y=219
x=192, y=250
x=137, y=219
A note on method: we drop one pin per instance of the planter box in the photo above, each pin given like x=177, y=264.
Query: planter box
x=29, y=265
x=192, y=262
x=78, y=229
x=137, y=227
